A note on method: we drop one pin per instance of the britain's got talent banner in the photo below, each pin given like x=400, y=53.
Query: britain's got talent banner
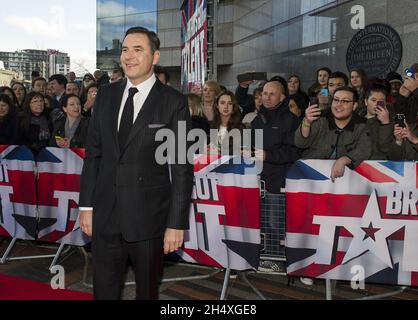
x=39, y=201
x=364, y=223
x=18, y=217
x=193, y=44
x=224, y=215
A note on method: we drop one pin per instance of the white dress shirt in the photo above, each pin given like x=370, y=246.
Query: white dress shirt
x=144, y=89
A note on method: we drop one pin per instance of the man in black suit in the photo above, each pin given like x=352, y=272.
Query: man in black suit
x=133, y=207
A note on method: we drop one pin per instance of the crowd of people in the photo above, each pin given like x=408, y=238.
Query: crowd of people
x=349, y=118
x=345, y=117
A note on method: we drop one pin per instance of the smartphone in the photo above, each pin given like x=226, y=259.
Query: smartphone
x=244, y=77
x=381, y=104
x=409, y=72
x=325, y=92
x=313, y=101
x=400, y=120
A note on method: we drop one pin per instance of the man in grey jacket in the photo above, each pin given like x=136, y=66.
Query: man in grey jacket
x=342, y=135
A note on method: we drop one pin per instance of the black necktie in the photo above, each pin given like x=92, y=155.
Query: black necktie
x=127, y=119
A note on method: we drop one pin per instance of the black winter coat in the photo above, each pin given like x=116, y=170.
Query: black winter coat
x=279, y=126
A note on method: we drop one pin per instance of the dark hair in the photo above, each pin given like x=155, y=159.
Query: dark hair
x=31, y=95
x=119, y=70
x=349, y=89
x=328, y=70
x=235, y=119
x=65, y=98
x=415, y=67
x=375, y=82
x=282, y=81
x=20, y=84
x=161, y=70
x=339, y=75
x=72, y=82
x=152, y=37
x=60, y=78
x=258, y=90
x=363, y=76
x=12, y=93
x=6, y=99
x=316, y=87
x=35, y=73
x=88, y=75
x=376, y=88
x=37, y=79
x=297, y=77
x=92, y=85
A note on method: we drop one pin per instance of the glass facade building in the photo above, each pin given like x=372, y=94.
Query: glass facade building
x=299, y=36
x=276, y=36
x=114, y=17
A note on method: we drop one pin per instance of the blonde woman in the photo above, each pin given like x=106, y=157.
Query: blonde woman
x=211, y=90
x=196, y=112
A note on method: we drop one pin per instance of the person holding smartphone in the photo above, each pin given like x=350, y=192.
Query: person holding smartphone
x=91, y=97
x=378, y=118
x=342, y=135
x=400, y=142
x=407, y=101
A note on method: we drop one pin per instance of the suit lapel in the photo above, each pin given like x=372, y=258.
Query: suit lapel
x=147, y=112
x=115, y=104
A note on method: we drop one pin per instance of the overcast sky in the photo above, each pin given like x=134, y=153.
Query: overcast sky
x=66, y=25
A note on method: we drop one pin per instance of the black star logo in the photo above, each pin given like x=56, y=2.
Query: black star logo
x=370, y=232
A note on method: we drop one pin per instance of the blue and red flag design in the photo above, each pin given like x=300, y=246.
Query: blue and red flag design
x=366, y=219
x=17, y=193
x=225, y=215
x=58, y=192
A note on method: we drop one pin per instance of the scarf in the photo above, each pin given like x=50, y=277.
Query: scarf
x=70, y=131
x=42, y=122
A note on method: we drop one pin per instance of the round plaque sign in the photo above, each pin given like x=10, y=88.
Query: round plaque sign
x=377, y=49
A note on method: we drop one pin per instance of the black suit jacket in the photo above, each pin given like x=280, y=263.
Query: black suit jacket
x=146, y=198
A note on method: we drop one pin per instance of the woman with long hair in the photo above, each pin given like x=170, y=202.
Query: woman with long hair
x=88, y=79
x=211, y=90
x=296, y=93
x=7, y=120
x=358, y=81
x=11, y=94
x=33, y=126
x=322, y=76
x=227, y=118
x=20, y=92
x=91, y=92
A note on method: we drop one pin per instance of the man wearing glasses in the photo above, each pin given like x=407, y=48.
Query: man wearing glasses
x=342, y=135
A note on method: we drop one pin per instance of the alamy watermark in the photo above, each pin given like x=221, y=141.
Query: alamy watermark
x=357, y=281
x=180, y=147
x=358, y=21
x=58, y=280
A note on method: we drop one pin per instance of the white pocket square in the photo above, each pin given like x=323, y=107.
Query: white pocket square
x=156, y=126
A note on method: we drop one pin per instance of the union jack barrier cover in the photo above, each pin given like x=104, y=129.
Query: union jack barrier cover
x=17, y=193
x=365, y=223
x=224, y=216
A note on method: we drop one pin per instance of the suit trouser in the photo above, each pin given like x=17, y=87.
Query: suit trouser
x=110, y=257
